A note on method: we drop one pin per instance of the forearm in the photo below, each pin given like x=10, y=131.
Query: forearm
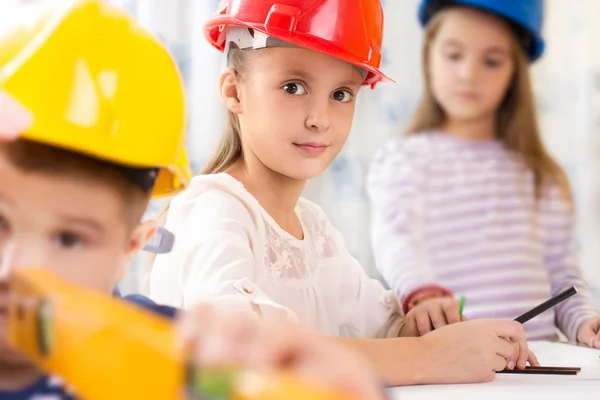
x=399, y=361
x=574, y=312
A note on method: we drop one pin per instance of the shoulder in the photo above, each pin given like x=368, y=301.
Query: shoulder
x=320, y=226
x=407, y=148
x=47, y=388
x=210, y=201
x=411, y=154
x=150, y=305
x=310, y=211
x=403, y=159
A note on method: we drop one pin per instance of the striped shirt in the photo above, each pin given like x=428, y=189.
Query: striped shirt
x=462, y=214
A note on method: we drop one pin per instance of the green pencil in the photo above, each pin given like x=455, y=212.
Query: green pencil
x=461, y=306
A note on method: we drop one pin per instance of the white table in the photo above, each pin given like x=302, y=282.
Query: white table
x=586, y=385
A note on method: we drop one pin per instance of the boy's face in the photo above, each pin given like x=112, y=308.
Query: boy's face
x=73, y=226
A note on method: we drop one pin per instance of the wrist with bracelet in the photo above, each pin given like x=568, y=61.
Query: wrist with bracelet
x=419, y=295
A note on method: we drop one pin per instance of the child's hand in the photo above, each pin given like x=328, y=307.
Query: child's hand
x=14, y=118
x=429, y=315
x=475, y=350
x=222, y=338
x=589, y=332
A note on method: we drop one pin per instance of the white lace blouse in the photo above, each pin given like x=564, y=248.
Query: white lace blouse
x=229, y=249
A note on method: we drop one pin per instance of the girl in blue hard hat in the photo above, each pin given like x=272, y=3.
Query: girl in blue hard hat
x=470, y=202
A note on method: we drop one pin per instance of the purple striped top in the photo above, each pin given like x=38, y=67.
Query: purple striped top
x=462, y=214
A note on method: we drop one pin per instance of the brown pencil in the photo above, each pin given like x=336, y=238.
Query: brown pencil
x=543, y=371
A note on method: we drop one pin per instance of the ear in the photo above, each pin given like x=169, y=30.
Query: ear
x=139, y=237
x=229, y=89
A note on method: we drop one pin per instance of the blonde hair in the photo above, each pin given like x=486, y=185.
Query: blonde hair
x=229, y=150
x=517, y=126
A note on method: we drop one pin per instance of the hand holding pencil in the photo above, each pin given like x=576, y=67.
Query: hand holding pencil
x=434, y=314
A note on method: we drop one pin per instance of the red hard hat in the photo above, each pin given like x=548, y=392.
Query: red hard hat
x=351, y=30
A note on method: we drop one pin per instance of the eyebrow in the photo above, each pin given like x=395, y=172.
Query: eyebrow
x=497, y=49
x=351, y=83
x=307, y=76
x=493, y=49
x=85, y=222
x=298, y=73
x=452, y=42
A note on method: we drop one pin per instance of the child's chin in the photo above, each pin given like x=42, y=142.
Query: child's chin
x=9, y=356
x=307, y=175
x=309, y=169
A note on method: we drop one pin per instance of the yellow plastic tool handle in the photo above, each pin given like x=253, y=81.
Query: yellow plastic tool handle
x=105, y=349
x=109, y=349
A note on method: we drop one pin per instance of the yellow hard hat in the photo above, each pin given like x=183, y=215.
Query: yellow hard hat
x=98, y=83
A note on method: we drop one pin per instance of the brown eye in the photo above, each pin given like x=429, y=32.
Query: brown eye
x=68, y=240
x=343, y=96
x=454, y=56
x=294, y=88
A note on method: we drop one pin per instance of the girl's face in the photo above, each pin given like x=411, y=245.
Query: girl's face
x=470, y=64
x=295, y=108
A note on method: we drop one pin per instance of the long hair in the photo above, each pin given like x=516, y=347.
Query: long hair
x=230, y=148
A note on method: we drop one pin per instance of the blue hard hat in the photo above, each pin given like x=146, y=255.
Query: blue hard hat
x=526, y=15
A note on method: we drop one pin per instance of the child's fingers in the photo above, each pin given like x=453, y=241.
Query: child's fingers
x=192, y=325
x=499, y=363
x=586, y=334
x=277, y=344
x=317, y=359
x=518, y=359
x=229, y=341
x=451, y=310
x=532, y=359
x=596, y=341
x=423, y=323
x=506, y=349
x=216, y=337
x=523, y=355
x=513, y=332
x=438, y=318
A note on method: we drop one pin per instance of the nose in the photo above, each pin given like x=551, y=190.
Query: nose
x=469, y=70
x=4, y=264
x=17, y=255
x=319, y=117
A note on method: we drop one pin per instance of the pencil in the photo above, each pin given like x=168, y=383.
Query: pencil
x=543, y=371
x=461, y=306
x=548, y=304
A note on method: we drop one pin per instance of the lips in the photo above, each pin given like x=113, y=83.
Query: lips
x=311, y=148
x=467, y=95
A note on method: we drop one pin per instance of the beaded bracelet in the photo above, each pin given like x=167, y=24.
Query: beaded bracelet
x=423, y=293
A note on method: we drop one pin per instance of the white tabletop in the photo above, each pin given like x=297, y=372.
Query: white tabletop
x=586, y=385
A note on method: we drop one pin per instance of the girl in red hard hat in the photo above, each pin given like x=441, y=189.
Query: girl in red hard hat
x=294, y=70
x=76, y=211
x=471, y=202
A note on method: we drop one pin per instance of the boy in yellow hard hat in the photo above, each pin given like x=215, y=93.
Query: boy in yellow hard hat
x=91, y=127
